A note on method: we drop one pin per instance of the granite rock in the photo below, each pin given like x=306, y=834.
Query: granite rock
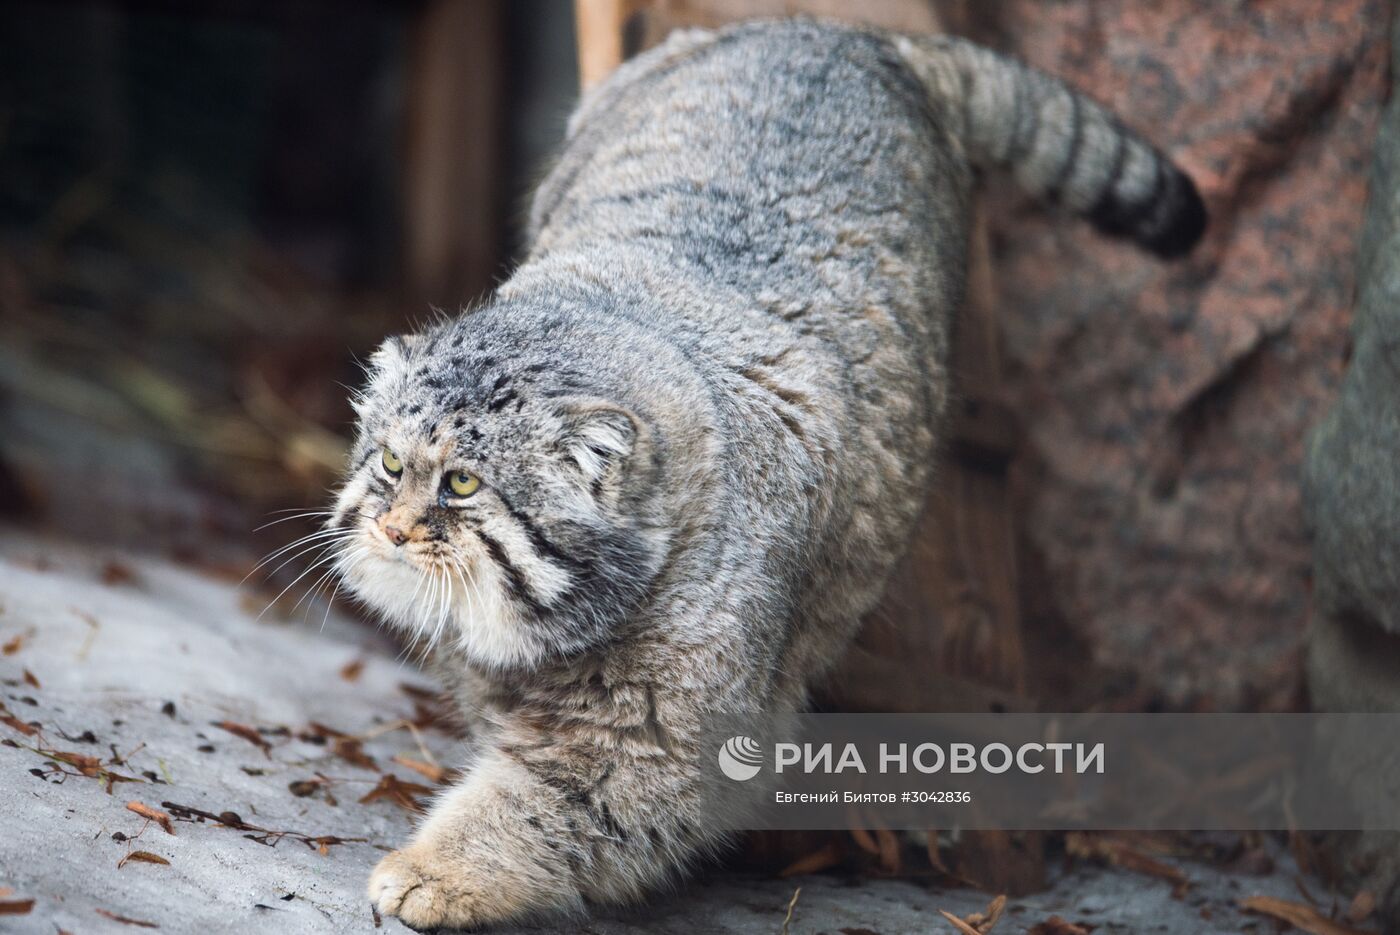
x=1166, y=405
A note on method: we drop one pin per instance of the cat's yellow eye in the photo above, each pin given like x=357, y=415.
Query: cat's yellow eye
x=391, y=462
x=462, y=484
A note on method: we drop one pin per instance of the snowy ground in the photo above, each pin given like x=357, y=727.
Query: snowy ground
x=136, y=681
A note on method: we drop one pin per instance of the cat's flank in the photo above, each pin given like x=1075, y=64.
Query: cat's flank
x=664, y=472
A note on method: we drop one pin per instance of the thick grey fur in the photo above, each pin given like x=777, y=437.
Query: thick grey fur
x=705, y=412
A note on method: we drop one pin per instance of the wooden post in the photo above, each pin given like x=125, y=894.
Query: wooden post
x=452, y=151
x=600, y=25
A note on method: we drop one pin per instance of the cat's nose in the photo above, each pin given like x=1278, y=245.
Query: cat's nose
x=396, y=535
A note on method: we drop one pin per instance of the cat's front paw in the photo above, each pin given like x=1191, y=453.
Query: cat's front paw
x=426, y=892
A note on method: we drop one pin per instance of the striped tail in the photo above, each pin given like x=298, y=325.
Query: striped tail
x=1060, y=146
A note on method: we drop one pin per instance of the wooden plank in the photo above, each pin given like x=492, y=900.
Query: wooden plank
x=953, y=601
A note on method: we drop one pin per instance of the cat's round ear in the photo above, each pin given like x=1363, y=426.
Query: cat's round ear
x=388, y=361
x=599, y=439
x=392, y=354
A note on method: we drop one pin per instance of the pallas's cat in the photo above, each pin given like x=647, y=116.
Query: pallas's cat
x=667, y=467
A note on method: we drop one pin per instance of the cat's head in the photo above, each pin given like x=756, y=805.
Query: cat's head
x=495, y=501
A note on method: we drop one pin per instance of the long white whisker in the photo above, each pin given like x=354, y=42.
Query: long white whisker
x=469, y=590
x=449, y=596
x=421, y=613
x=460, y=571
x=419, y=598
x=443, y=605
x=413, y=599
x=439, y=605
x=300, y=540
x=459, y=568
x=316, y=586
x=313, y=567
x=319, y=536
x=476, y=590
x=330, y=603
x=345, y=561
x=288, y=519
x=317, y=547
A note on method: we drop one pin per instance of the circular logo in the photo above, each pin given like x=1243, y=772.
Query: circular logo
x=740, y=758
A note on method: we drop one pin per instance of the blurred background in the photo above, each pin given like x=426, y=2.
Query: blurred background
x=209, y=211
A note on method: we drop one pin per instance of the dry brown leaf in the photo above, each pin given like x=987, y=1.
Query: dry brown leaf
x=16, y=907
x=1298, y=915
x=145, y=857
x=301, y=788
x=249, y=734
x=30, y=680
x=352, y=670
x=979, y=923
x=115, y=573
x=958, y=924
x=87, y=765
x=112, y=779
x=397, y=791
x=125, y=920
x=430, y=771
x=18, y=725
x=1160, y=844
x=824, y=858
x=1122, y=853
x=316, y=727
x=14, y=644
x=352, y=751
x=1362, y=905
x=985, y=921
x=434, y=715
x=1057, y=926
x=151, y=814
x=1140, y=863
